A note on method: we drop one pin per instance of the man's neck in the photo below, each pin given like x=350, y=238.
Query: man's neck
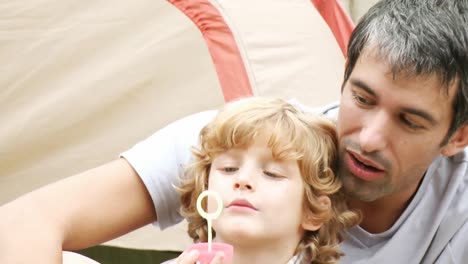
x=380, y=215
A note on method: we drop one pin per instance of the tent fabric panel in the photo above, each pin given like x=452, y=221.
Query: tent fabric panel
x=222, y=46
x=338, y=20
x=287, y=48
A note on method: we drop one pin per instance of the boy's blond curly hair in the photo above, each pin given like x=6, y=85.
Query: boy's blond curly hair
x=294, y=135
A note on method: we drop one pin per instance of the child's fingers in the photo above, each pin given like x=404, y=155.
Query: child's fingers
x=219, y=258
x=188, y=257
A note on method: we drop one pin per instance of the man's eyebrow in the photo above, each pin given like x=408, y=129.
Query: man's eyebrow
x=421, y=113
x=362, y=85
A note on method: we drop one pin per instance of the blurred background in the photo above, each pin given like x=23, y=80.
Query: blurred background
x=356, y=8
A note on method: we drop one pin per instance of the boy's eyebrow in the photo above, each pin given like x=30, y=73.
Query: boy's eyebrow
x=228, y=154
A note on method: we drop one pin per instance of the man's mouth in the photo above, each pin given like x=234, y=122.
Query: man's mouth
x=362, y=167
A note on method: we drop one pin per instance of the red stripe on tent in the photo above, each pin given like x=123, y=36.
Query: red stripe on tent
x=337, y=19
x=222, y=46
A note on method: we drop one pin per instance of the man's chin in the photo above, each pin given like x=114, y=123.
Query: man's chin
x=355, y=188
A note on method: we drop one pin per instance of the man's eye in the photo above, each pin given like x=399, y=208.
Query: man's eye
x=361, y=100
x=410, y=124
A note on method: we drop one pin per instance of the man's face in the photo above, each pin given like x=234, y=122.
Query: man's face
x=390, y=129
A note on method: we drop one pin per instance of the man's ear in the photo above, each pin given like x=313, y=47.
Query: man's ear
x=458, y=141
x=310, y=221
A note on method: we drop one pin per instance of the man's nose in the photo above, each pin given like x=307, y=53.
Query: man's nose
x=375, y=132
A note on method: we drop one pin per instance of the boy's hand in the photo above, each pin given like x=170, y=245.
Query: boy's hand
x=191, y=258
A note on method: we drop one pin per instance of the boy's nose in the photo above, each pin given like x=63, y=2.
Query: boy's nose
x=243, y=180
x=242, y=186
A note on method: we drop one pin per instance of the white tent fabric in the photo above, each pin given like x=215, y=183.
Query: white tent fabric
x=82, y=81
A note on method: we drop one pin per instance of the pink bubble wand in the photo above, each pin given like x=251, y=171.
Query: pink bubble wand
x=208, y=250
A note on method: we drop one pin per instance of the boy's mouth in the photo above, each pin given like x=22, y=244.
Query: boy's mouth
x=239, y=202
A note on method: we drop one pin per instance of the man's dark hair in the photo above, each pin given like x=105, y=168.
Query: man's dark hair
x=419, y=38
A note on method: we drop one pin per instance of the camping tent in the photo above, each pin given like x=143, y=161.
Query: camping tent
x=82, y=81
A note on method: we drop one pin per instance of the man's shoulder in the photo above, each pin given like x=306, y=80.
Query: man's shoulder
x=329, y=110
x=455, y=170
x=461, y=157
x=451, y=175
x=452, y=167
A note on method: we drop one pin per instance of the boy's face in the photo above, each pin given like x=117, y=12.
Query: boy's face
x=262, y=197
x=394, y=125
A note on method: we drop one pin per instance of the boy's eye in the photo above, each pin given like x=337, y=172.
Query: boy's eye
x=229, y=169
x=272, y=174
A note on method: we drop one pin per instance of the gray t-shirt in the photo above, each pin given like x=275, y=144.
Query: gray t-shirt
x=432, y=229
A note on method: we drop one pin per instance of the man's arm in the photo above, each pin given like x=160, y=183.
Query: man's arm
x=102, y=203
x=76, y=212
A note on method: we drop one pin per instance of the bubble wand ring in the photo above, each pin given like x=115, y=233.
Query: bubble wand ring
x=209, y=216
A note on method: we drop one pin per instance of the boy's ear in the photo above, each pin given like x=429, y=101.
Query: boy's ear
x=457, y=142
x=309, y=220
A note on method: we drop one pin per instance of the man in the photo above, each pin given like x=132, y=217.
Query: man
x=404, y=102
x=403, y=131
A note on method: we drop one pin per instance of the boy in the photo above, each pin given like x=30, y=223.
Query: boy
x=264, y=156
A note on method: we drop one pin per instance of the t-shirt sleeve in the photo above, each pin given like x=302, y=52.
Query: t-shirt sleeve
x=330, y=110
x=160, y=159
